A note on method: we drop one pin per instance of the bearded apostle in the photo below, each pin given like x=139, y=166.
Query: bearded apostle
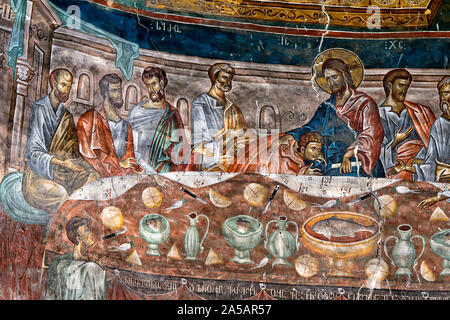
x=214, y=119
x=106, y=140
x=406, y=124
x=436, y=163
x=160, y=144
x=349, y=123
x=54, y=166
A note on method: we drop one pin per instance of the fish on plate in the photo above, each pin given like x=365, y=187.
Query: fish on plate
x=336, y=227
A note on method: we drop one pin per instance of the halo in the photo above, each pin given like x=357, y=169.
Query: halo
x=348, y=57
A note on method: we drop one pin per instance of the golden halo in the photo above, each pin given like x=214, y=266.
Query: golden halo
x=348, y=57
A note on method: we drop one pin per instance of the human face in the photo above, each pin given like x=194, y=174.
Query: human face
x=399, y=88
x=335, y=80
x=85, y=236
x=115, y=95
x=155, y=88
x=62, y=86
x=444, y=97
x=224, y=81
x=312, y=151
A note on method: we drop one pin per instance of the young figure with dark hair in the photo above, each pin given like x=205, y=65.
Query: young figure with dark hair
x=160, y=144
x=54, y=166
x=106, y=140
x=73, y=276
x=406, y=124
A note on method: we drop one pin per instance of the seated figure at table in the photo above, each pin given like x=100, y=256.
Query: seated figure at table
x=349, y=121
x=106, y=140
x=72, y=276
x=311, y=156
x=406, y=124
x=54, y=166
x=304, y=157
x=160, y=144
x=436, y=163
x=215, y=119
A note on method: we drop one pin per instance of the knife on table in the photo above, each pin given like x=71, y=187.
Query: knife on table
x=271, y=198
x=193, y=195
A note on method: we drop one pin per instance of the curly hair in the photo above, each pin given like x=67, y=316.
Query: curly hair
x=309, y=137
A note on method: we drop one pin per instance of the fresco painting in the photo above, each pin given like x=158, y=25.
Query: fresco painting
x=239, y=150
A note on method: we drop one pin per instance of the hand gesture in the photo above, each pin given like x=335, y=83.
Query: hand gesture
x=312, y=172
x=70, y=164
x=162, y=182
x=425, y=204
x=207, y=152
x=346, y=166
x=399, y=167
x=401, y=136
x=90, y=179
x=127, y=163
x=284, y=140
x=322, y=158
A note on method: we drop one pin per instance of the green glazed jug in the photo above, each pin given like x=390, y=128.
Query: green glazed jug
x=281, y=243
x=192, y=242
x=403, y=252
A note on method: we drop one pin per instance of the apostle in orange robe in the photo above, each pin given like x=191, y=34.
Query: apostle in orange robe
x=105, y=139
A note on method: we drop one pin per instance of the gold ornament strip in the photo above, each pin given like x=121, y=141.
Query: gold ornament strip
x=353, y=13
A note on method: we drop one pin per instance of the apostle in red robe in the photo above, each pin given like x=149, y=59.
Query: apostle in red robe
x=105, y=139
x=407, y=125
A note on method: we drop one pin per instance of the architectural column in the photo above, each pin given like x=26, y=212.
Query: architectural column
x=24, y=74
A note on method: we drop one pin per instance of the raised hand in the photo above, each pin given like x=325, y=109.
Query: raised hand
x=401, y=136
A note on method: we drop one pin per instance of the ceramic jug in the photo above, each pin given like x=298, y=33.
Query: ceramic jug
x=403, y=252
x=281, y=243
x=192, y=242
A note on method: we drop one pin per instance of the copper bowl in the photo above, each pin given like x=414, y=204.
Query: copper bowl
x=341, y=252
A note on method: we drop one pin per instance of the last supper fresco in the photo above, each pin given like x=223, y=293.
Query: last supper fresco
x=239, y=150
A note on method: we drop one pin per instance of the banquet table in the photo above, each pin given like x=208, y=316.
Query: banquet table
x=159, y=275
